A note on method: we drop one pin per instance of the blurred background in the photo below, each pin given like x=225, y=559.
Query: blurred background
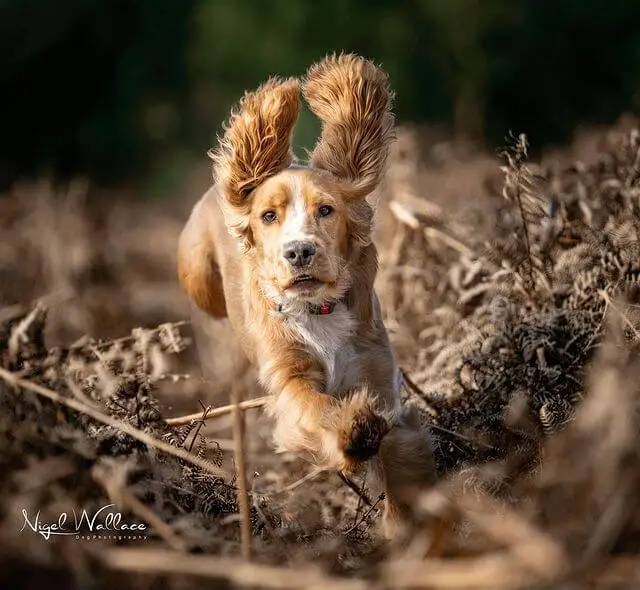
x=134, y=91
x=109, y=108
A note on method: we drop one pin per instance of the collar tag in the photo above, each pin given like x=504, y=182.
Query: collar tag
x=325, y=309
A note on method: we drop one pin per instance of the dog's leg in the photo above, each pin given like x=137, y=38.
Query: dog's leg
x=332, y=433
x=360, y=426
x=303, y=417
x=197, y=268
x=404, y=464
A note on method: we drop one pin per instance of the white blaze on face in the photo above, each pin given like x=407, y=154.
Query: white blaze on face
x=296, y=222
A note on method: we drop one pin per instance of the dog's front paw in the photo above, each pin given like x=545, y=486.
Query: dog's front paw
x=362, y=439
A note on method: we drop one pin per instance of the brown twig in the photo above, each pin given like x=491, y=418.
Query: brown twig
x=238, y=572
x=621, y=571
x=518, y=162
x=122, y=426
x=355, y=488
x=432, y=232
x=217, y=412
x=133, y=337
x=241, y=463
x=403, y=214
x=492, y=571
x=205, y=411
x=406, y=216
x=411, y=385
x=531, y=553
x=620, y=312
x=16, y=310
x=366, y=515
x=296, y=484
x=413, y=388
x=359, y=505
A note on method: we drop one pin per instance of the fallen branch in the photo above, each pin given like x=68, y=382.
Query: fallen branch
x=217, y=412
x=241, y=466
x=237, y=571
x=494, y=571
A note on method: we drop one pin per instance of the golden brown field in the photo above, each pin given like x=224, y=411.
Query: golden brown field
x=510, y=290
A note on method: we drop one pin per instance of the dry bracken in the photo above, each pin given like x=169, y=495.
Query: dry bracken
x=519, y=343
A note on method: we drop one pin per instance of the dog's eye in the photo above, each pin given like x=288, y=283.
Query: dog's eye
x=325, y=211
x=269, y=217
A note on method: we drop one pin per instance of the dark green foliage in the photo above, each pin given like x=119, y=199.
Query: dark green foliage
x=108, y=88
x=79, y=80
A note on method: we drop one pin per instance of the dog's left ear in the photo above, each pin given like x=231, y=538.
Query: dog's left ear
x=351, y=96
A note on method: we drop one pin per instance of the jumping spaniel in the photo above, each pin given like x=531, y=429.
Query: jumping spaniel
x=284, y=251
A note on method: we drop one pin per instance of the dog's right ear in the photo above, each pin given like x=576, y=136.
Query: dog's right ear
x=255, y=146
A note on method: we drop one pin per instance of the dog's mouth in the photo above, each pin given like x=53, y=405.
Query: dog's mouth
x=305, y=281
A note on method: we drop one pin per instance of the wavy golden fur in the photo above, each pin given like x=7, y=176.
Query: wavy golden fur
x=273, y=242
x=256, y=145
x=351, y=97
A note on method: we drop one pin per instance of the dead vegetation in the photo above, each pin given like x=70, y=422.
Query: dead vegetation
x=516, y=321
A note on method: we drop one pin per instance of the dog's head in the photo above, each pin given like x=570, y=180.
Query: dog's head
x=301, y=225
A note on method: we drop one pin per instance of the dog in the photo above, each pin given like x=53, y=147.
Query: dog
x=285, y=252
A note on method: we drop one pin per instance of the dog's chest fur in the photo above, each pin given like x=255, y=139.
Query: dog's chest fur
x=329, y=338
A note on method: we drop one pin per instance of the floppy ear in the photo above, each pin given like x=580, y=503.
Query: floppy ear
x=256, y=145
x=352, y=98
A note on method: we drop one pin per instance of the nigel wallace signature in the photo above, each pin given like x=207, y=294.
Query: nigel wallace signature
x=105, y=520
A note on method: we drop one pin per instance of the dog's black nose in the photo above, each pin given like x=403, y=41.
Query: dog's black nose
x=299, y=254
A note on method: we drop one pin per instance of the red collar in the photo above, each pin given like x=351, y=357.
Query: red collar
x=324, y=309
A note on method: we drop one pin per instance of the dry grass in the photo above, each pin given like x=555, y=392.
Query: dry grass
x=511, y=295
